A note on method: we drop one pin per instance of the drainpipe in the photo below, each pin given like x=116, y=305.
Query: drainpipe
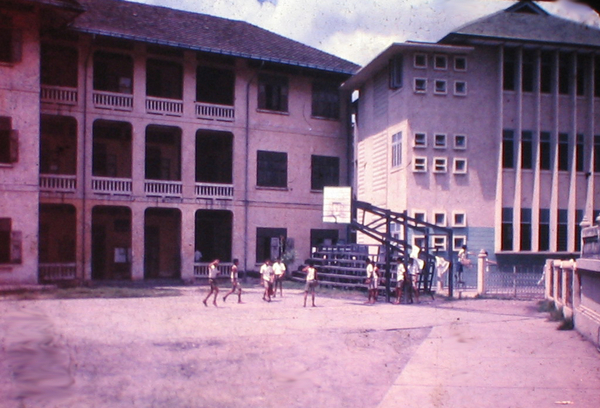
x=247, y=175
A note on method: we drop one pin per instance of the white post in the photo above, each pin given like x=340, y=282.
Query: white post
x=481, y=267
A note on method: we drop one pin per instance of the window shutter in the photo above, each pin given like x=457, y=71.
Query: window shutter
x=14, y=146
x=284, y=97
x=16, y=244
x=17, y=46
x=262, y=96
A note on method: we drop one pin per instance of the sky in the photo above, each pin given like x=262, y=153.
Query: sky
x=358, y=30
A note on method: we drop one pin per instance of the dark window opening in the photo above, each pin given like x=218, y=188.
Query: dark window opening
x=325, y=171
x=215, y=85
x=164, y=79
x=526, y=149
x=544, y=238
x=525, y=229
x=162, y=243
x=545, y=151
x=9, y=141
x=5, y=232
x=58, y=65
x=270, y=243
x=396, y=71
x=562, y=230
x=507, y=229
x=320, y=237
x=10, y=41
x=563, y=152
x=510, y=69
x=582, y=69
x=214, y=157
x=163, y=153
x=578, y=219
x=111, y=149
x=273, y=93
x=113, y=72
x=597, y=76
x=508, y=149
x=597, y=154
x=528, y=71
x=111, y=243
x=58, y=145
x=325, y=100
x=579, y=156
x=213, y=235
x=564, y=70
x=271, y=169
x=546, y=71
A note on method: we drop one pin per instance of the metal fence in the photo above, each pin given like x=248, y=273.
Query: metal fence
x=518, y=281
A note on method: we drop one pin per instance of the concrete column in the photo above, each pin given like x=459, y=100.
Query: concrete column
x=137, y=242
x=481, y=271
x=188, y=228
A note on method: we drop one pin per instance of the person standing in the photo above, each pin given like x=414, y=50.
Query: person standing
x=372, y=281
x=213, y=271
x=463, y=261
x=235, y=284
x=400, y=280
x=311, y=282
x=279, y=271
x=266, y=274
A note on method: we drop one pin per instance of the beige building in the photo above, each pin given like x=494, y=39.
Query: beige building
x=492, y=131
x=143, y=142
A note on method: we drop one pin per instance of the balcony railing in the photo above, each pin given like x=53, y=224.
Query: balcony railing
x=58, y=183
x=58, y=94
x=57, y=271
x=163, y=188
x=112, y=100
x=109, y=185
x=163, y=106
x=215, y=112
x=212, y=190
x=201, y=269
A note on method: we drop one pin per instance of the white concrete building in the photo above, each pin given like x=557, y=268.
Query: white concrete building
x=492, y=131
x=143, y=142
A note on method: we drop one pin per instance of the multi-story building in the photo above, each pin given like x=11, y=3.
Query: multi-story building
x=493, y=131
x=142, y=142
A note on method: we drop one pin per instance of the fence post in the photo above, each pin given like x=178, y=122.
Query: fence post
x=481, y=267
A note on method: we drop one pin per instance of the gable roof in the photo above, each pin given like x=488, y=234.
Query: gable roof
x=201, y=32
x=526, y=22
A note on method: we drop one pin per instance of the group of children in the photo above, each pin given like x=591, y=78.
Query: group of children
x=272, y=275
x=406, y=280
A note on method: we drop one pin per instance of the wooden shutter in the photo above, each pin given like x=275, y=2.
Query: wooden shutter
x=262, y=96
x=16, y=245
x=17, y=46
x=284, y=95
x=14, y=146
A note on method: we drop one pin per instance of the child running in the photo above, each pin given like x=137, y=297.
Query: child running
x=213, y=271
x=311, y=282
x=235, y=284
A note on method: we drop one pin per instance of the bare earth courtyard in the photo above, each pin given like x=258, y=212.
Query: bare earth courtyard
x=174, y=352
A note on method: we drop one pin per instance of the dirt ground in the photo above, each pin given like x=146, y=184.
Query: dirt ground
x=174, y=352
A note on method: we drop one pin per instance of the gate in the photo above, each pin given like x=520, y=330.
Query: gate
x=517, y=281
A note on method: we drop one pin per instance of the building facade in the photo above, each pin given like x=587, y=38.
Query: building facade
x=142, y=142
x=492, y=131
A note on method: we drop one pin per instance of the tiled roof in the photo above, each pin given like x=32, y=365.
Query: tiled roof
x=512, y=25
x=202, y=32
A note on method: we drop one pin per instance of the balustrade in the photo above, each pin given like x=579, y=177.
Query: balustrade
x=215, y=112
x=58, y=94
x=163, y=106
x=58, y=183
x=112, y=100
x=57, y=271
x=109, y=185
x=211, y=190
x=163, y=188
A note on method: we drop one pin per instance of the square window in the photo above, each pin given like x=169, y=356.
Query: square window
x=420, y=60
x=440, y=165
x=439, y=218
x=420, y=85
x=273, y=93
x=440, y=62
x=420, y=165
x=420, y=216
x=419, y=241
x=460, y=142
x=440, y=87
x=460, y=63
x=420, y=140
x=325, y=171
x=458, y=242
x=325, y=100
x=460, y=166
x=459, y=219
x=271, y=169
x=460, y=88
x=439, y=141
x=438, y=242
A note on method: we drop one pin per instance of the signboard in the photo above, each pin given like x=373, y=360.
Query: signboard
x=337, y=205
